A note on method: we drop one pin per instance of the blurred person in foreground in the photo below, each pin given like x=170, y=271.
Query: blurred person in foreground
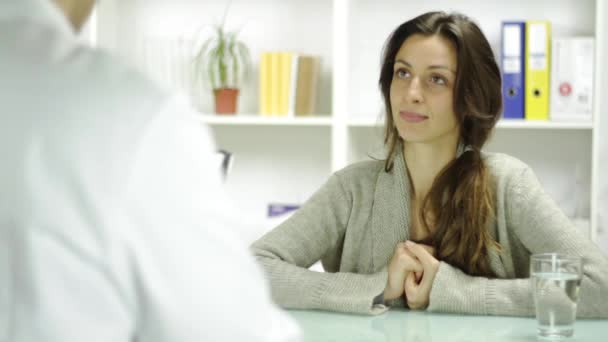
x=110, y=211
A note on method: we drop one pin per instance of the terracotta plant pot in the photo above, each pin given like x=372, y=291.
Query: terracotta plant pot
x=225, y=100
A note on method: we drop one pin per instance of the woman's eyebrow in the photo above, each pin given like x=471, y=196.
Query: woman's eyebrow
x=438, y=66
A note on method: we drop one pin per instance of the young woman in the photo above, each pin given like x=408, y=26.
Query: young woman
x=438, y=225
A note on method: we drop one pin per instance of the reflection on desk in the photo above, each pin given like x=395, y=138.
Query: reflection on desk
x=403, y=325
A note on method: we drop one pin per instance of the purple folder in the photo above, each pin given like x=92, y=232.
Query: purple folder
x=513, y=69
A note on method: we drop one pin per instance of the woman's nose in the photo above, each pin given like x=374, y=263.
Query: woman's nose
x=414, y=91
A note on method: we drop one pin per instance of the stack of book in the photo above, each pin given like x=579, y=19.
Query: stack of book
x=288, y=84
x=546, y=78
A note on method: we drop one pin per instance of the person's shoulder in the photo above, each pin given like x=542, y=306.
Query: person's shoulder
x=362, y=168
x=503, y=166
x=362, y=173
x=118, y=78
x=113, y=93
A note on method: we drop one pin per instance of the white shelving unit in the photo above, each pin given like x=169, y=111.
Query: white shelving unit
x=501, y=125
x=256, y=120
x=286, y=159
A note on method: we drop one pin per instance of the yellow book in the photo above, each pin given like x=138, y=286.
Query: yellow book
x=264, y=92
x=284, y=81
x=538, y=64
x=275, y=83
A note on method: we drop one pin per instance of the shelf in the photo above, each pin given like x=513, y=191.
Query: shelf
x=256, y=120
x=502, y=124
x=522, y=124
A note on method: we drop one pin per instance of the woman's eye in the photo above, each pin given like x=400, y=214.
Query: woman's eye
x=438, y=80
x=402, y=73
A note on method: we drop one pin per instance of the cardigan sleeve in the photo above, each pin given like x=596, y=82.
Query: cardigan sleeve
x=542, y=228
x=317, y=228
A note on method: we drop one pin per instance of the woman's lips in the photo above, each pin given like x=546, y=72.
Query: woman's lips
x=412, y=116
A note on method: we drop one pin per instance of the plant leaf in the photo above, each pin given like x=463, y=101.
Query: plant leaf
x=235, y=61
x=204, y=47
x=211, y=69
x=204, y=53
x=245, y=57
x=222, y=57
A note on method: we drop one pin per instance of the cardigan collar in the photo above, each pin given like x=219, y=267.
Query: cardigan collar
x=391, y=210
x=391, y=217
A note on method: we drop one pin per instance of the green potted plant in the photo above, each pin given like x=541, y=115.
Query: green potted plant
x=223, y=62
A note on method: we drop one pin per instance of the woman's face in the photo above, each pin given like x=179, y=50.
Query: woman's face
x=422, y=89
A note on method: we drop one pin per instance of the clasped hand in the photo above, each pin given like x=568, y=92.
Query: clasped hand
x=411, y=272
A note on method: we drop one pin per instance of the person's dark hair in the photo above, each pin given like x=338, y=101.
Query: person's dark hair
x=460, y=202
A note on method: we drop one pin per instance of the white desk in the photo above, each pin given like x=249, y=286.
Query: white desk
x=402, y=325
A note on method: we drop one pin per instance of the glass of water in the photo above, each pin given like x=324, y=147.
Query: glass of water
x=556, y=280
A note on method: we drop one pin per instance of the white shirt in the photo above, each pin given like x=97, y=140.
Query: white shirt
x=110, y=224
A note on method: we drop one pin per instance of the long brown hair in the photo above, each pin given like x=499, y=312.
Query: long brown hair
x=460, y=202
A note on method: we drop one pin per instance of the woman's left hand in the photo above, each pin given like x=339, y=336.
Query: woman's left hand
x=417, y=292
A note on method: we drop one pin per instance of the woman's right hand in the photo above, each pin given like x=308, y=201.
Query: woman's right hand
x=402, y=263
